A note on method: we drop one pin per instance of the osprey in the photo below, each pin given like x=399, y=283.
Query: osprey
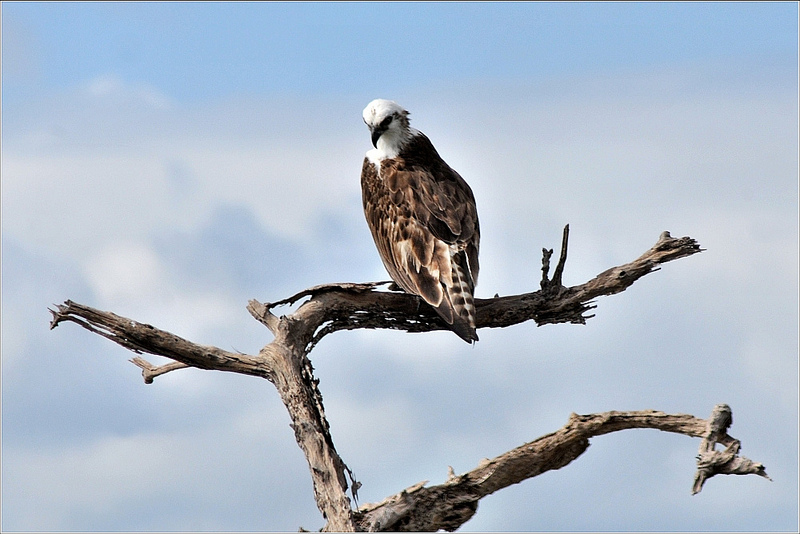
x=422, y=216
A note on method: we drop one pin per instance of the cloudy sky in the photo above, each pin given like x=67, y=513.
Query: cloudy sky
x=170, y=161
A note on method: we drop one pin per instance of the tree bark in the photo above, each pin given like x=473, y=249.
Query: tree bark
x=347, y=306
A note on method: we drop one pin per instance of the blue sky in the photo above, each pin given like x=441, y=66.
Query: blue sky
x=211, y=50
x=170, y=161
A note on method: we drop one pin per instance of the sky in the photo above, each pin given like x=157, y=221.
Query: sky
x=170, y=161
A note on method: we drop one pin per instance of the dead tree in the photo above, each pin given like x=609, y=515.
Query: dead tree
x=346, y=306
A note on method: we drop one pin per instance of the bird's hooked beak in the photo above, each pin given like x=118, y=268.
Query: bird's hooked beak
x=377, y=132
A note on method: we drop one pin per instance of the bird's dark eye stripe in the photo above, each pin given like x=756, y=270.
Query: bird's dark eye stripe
x=386, y=122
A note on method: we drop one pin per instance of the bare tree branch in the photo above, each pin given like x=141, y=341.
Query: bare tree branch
x=348, y=306
x=141, y=338
x=448, y=506
x=332, y=307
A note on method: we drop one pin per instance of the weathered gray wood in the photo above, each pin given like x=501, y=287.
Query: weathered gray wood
x=711, y=462
x=447, y=506
x=347, y=306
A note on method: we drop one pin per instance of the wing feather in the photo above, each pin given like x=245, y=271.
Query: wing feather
x=423, y=219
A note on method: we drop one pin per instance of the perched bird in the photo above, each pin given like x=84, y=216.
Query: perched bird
x=422, y=216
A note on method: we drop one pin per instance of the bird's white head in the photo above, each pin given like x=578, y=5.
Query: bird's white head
x=388, y=123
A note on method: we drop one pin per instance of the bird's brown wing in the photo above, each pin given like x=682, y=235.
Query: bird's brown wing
x=425, y=226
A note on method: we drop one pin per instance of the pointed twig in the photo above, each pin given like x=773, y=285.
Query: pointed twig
x=150, y=371
x=562, y=260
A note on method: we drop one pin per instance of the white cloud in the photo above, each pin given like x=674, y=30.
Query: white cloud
x=132, y=277
x=70, y=205
x=125, y=271
x=283, y=186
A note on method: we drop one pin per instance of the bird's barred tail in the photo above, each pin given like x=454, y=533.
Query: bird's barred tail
x=461, y=300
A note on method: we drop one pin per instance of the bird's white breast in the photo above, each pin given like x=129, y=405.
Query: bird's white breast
x=375, y=157
x=384, y=151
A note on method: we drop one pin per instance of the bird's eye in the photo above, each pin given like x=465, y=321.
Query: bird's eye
x=386, y=122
